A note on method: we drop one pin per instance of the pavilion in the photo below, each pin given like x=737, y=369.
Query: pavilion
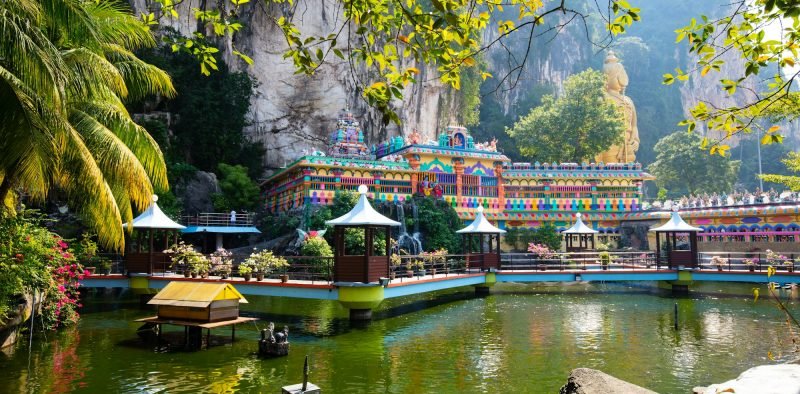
x=580, y=232
x=481, y=227
x=677, y=255
x=143, y=254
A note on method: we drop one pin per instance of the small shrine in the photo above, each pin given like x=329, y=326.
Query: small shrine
x=347, y=141
x=196, y=306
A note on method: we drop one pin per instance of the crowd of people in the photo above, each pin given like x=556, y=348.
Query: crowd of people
x=736, y=198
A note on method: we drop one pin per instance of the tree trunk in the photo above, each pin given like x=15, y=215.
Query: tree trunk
x=5, y=188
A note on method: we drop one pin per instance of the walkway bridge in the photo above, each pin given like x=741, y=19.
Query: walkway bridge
x=421, y=274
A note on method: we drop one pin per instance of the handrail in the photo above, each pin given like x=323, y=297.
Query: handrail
x=220, y=219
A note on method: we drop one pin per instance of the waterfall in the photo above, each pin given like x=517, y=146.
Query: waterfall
x=410, y=243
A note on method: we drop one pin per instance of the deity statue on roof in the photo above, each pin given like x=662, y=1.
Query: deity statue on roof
x=616, y=82
x=348, y=138
x=414, y=138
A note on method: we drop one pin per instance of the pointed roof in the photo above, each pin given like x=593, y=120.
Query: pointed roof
x=362, y=214
x=676, y=225
x=579, y=227
x=480, y=225
x=154, y=218
x=197, y=295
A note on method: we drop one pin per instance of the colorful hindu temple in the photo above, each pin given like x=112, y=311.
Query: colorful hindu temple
x=467, y=174
x=464, y=173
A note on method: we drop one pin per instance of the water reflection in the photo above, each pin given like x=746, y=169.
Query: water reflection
x=522, y=339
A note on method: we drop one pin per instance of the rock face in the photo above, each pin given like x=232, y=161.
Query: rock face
x=290, y=113
x=592, y=381
x=9, y=329
x=764, y=379
x=197, y=192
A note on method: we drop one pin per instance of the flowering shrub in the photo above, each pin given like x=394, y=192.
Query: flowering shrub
x=774, y=258
x=35, y=261
x=194, y=261
x=265, y=262
x=541, y=250
x=221, y=261
x=719, y=261
x=438, y=256
x=749, y=262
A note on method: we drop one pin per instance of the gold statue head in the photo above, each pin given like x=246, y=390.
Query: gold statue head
x=616, y=77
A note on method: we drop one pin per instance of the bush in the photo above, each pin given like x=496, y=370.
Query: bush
x=318, y=247
x=32, y=259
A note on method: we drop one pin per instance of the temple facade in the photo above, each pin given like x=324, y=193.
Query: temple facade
x=465, y=174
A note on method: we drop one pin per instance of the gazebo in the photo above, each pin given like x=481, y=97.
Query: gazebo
x=369, y=267
x=142, y=253
x=580, y=232
x=481, y=227
x=677, y=255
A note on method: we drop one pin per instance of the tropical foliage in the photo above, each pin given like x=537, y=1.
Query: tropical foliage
x=683, y=168
x=764, y=36
x=573, y=127
x=36, y=262
x=318, y=247
x=65, y=68
x=238, y=190
x=792, y=162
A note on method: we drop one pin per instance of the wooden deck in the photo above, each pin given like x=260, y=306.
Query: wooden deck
x=188, y=323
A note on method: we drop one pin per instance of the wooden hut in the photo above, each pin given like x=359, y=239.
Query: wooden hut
x=203, y=302
x=676, y=253
x=369, y=267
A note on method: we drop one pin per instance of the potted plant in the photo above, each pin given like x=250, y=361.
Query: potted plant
x=394, y=262
x=222, y=262
x=719, y=262
x=264, y=262
x=181, y=254
x=543, y=253
x=605, y=259
x=246, y=271
x=435, y=258
x=789, y=264
x=750, y=263
x=410, y=264
x=199, y=265
x=104, y=265
x=419, y=266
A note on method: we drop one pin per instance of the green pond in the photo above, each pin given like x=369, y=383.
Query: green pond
x=522, y=338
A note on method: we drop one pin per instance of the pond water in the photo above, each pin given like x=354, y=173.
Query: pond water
x=522, y=338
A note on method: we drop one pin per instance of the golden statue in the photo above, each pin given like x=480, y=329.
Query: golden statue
x=616, y=82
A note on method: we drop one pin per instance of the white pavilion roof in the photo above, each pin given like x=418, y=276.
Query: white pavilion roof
x=579, y=227
x=362, y=214
x=480, y=225
x=154, y=218
x=676, y=225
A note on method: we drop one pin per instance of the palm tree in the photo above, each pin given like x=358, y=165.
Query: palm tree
x=65, y=68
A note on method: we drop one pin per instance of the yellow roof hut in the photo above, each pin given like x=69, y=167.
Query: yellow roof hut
x=204, y=302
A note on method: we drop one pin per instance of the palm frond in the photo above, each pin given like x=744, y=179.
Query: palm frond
x=115, y=118
x=86, y=190
x=142, y=78
x=92, y=72
x=117, y=25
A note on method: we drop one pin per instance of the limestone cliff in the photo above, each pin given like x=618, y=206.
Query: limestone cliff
x=291, y=113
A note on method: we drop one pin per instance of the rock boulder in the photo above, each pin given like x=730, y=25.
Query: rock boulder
x=592, y=381
x=764, y=379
